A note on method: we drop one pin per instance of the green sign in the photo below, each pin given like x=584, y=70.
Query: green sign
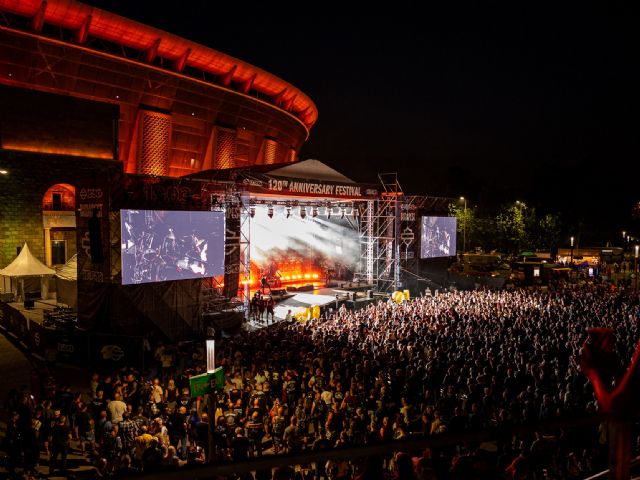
x=207, y=382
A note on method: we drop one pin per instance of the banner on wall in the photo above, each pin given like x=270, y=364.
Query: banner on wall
x=92, y=229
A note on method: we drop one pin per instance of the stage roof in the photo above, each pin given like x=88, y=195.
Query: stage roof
x=306, y=169
x=308, y=178
x=313, y=169
x=26, y=265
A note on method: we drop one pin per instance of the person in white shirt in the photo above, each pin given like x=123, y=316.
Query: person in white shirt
x=116, y=408
x=156, y=392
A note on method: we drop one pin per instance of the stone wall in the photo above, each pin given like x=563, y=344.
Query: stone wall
x=21, y=192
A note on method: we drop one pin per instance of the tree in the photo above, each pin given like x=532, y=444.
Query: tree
x=550, y=228
x=466, y=217
x=511, y=227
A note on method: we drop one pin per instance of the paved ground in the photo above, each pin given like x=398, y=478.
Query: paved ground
x=15, y=371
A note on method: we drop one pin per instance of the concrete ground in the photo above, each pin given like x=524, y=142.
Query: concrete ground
x=15, y=371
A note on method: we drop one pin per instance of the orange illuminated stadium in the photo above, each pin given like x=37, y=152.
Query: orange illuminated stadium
x=81, y=88
x=183, y=107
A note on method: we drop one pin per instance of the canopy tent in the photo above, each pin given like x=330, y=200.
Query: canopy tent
x=27, y=265
x=67, y=282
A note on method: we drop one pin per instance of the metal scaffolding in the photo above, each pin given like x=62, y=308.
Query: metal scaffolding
x=379, y=237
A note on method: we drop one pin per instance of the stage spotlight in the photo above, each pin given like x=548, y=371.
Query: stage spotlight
x=314, y=212
x=303, y=212
x=270, y=211
x=252, y=211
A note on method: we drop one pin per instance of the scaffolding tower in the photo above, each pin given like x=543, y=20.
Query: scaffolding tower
x=379, y=237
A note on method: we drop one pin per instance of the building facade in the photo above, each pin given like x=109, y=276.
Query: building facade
x=83, y=88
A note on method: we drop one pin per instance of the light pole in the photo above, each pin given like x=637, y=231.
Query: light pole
x=464, y=227
x=635, y=266
x=571, y=261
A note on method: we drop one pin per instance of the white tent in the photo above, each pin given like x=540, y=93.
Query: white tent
x=27, y=265
x=67, y=282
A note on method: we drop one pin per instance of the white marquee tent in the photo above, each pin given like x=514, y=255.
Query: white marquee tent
x=67, y=282
x=27, y=265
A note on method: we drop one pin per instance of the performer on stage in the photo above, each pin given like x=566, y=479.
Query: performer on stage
x=264, y=283
x=271, y=303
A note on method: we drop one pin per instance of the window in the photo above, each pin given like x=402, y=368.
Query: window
x=57, y=201
x=58, y=252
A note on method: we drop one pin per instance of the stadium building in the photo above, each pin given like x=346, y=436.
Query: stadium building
x=86, y=92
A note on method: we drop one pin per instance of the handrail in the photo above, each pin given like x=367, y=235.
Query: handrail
x=411, y=444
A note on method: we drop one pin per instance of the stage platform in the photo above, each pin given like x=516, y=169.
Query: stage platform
x=354, y=298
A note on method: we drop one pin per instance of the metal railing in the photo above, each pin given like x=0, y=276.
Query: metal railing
x=413, y=444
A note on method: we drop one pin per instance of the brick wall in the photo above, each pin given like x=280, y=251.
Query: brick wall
x=21, y=193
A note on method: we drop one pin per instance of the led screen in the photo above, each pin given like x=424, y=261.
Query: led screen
x=438, y=237
x=165, y=245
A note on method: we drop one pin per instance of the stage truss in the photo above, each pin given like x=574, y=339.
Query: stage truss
x=378, y=222
x=379, y=234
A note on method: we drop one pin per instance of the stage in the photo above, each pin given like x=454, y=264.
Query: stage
x=354, y=295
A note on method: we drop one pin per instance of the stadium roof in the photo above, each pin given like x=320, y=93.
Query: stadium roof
x=88, y=21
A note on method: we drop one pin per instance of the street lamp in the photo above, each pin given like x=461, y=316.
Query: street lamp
x=635, y=265
x=571, y=261
x=464, y=227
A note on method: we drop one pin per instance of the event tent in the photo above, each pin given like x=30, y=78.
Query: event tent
x=27, y=265
x=67, y=282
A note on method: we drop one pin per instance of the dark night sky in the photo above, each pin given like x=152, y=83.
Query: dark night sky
x=496, y=104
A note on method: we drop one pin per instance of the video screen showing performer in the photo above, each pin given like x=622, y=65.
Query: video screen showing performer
x=438, y=237
x=170, y=245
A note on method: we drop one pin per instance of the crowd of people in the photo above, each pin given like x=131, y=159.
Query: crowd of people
x=437, y=365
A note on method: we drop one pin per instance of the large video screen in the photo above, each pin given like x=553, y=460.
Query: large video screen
x=438, y=237
x=166, y=245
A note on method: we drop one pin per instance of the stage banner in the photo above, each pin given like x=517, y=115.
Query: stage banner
x=92, y=228
x=70, y=346
x=232, y=246
x=115, y=351
x=409, y=232
x=266, y=184
x=153, y=193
